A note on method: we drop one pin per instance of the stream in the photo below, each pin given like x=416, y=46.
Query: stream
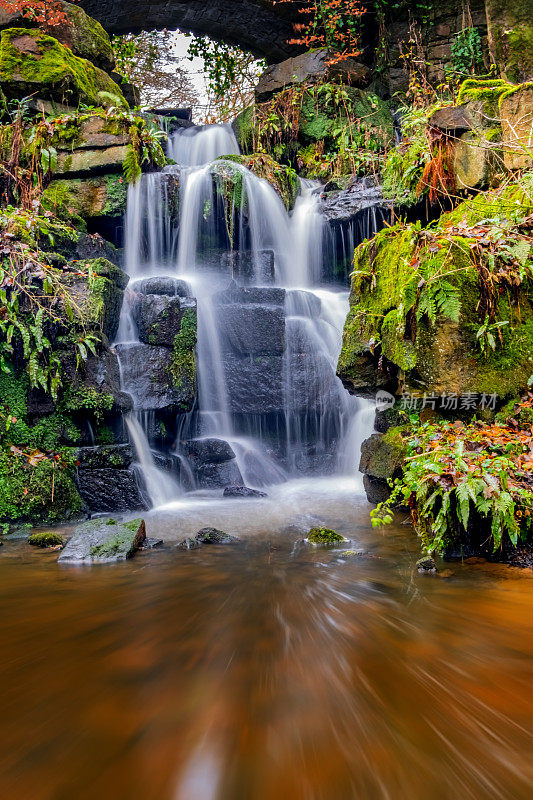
x=267, y=669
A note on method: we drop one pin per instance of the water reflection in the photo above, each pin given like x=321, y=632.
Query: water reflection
x=266, y=670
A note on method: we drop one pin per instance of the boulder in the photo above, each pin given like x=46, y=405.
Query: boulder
x=92, y=245
x=110, y=490
x=382, y=455
x=426, y=565
x=310, y=67
x=475, y=159
x=96, y=132
x=214, y=536
x=162, y=285
x=104, y=541
x=452, y=118
x=80, y=33
x=87, y=162
x=245, y=294
x=208, y=451
x=118, y=456
x=254, y=385
x=510, y=34
x=218, y=475
x=105, y=196
x=252, y=329
x=245, y=268
x=33, y=63
x=377, y=490
x=98, y=301
x=516, y=111
x=159, y=317
x=149, y=376
x=243, y=491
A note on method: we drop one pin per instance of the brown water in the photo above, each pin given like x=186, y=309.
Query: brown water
x=265, y=670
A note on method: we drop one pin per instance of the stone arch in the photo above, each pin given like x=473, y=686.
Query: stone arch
x=255, y=25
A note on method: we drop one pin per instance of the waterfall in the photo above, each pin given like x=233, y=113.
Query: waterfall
x=268, y=341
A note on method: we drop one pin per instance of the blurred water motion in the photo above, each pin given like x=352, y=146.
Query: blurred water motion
x=266, y=670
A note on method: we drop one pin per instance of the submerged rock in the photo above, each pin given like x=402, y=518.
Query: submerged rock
x=188, y=544
x=324, y=536
x=426, y=565
x=151, y=544
x=104, y=541
x=46, y=539
x=242, y=491
x=214, y=536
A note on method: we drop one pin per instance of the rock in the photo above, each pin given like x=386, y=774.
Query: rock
x=85, y=37
x=452, y=118
x=99, y=301
x=251, y=294
x=426, y=565
x=214, y=536
x=254, y=386
x=516, y=111
x=118, y=456
x=88, y=197
x=188, y=544
x=377, y=489
x=159, y=317
x=147, y=374
x=151, y=544
x=46, y=539
x=510, y=35
x=310, y=67
x=33, y=63
x=94, y=133
x=104, y=541
x=358, y=196
x=252, y=329
x=92, y=162
x=242, y=491
x=218, y=475
x=475, y=160
x=110, y=490
x=210, y=451
x=92, y=246
x=382, y=455
x=243, y=267
x=324, y=536
x=162, y=285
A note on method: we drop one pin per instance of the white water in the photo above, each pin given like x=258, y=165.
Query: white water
x=160, y=486
x=323, y=424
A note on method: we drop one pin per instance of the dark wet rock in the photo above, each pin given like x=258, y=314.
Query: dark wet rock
x=151, y=544
x=315, y=66
x=104, y=541
x=218, y=475
x=118, y=456
x=426, y=565
x=110, y=490
x=324, y=536
x=214, y=536
x=188, y=544
x=346, y=203
x=254, y=385
x=171, y=287
x=147, y=373
x=252, y=329
x=242, y=266
x=264, y=295
x=242, y=491
x=377, y=490
x=452, y=118
x=159, y=318
x=208, y=451
x=92, y=245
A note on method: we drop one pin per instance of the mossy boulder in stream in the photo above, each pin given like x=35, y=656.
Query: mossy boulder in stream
x=33, y=63
x=324, y=536
x=103, y=541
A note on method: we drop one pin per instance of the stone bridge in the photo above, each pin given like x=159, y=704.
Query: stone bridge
x=259, y=26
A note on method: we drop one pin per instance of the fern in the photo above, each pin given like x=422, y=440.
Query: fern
x=131, y=166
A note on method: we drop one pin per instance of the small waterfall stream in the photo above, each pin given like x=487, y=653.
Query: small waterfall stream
x=268, y=341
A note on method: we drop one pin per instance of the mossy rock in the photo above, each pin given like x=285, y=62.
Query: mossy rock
x=104, y=541
x=33, y=63
x=324, y=536
x=104, y=196
x=85, y=37
x=46, y=539
x=230, y=184
x=382, y=455
x=182, y=366
x=510, y=33
x=443, y=357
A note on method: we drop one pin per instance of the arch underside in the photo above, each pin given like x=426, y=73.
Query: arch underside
x=255, y=25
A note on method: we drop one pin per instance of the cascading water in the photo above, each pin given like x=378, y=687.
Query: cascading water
x=267, y=350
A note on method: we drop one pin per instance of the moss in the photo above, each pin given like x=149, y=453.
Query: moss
x=382, y=456
x=89, y=400
x=123, y=540
x=230, y=181
x=324, y=536
x=46, y=539
x=488, y=92
x=91, y=197
x=317, y=121
x=243, y=127
x=31, y=61
x=183, y=362
x=87, y=38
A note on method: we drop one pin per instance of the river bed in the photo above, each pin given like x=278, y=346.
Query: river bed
x=268, y=669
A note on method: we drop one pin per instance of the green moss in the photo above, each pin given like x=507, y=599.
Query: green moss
x=46, y=539
x=243, y=127
x=383, y=456
x=324, y=536
x=32, y=61
x=488, y=92
x=230, y=181
x=88, y=399
x=183, y=362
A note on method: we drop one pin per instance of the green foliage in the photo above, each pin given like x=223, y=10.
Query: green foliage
x=467, y=53
x=89, y=400
x=405, y=163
